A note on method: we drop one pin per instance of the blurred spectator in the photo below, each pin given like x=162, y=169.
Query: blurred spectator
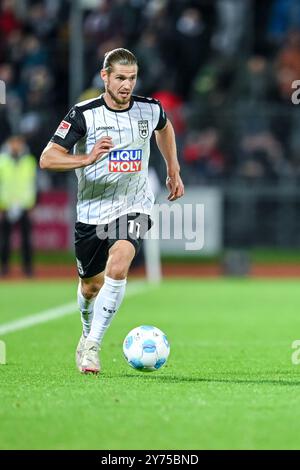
x=151, y=67
x=202, y=153
x=127, y=18
x=8, y=19
x=34, y=53
x=287, y=64
x=261, y=155
x=14, y=50
x=40, y=21
x=211, y=93
x=232, y=21
x=98, y=23
x=285, y=15
x=260, y=18
x=5, y=129
x=173, y=105
x=93, y=63
x=191, y=48
x=255, y=80
x=17, y=197
x=212, y=106
x=13, y=106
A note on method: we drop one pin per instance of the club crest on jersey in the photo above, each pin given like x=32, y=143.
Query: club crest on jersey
x=143, y=129
x=125, y=161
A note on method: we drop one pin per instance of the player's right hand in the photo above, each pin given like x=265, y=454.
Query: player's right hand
x=101, y=147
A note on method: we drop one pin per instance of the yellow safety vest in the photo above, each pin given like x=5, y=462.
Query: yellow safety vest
x=17, y=181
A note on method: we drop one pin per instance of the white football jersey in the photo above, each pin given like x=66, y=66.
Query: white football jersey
x=117, y=184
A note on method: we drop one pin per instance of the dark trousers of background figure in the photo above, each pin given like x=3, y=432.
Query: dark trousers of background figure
x=6, y=228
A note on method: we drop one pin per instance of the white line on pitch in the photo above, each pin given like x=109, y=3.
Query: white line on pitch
x=61, y=311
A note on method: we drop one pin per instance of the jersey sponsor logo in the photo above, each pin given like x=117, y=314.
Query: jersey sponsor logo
x=105, y=128
x=125, y=161
x=143, y=129
x=63, y=129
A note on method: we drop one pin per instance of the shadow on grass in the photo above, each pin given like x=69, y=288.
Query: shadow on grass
x=185, y=379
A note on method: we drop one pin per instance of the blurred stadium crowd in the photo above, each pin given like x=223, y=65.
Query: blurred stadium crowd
x=222, y=69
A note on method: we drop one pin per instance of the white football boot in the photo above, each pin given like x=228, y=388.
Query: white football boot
x=79, y=351
x=90, y=358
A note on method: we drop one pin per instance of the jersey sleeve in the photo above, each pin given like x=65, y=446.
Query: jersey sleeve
x=71, y=129
x=162, y=120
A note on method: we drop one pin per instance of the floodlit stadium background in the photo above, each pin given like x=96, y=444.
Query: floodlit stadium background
x=226, y=73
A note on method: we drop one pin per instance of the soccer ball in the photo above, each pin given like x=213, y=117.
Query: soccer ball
x=146, y=348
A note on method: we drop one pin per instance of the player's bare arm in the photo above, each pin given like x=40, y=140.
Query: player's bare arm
x=57, y=158
x=166, y=143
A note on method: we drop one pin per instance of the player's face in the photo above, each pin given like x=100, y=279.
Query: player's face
x=16, y=145
x=119, y=84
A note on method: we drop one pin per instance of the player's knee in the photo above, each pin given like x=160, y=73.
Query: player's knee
x=117, y=271
x=90, y=290
x=117, y=267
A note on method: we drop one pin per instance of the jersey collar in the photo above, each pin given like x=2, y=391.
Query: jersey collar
x=118, y=110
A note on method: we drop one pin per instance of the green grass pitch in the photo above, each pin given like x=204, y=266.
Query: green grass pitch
x=229, y=382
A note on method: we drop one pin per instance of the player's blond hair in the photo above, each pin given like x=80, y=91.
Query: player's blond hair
x=118, y=56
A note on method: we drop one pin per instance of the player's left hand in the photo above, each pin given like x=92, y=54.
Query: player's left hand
x=175, y=186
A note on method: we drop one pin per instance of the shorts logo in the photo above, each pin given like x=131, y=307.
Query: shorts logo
x=63, y=129
x=125, y=161
x=80, y=267
x=143, y=129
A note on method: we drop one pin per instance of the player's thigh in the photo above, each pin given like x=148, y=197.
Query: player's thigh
x=131, y=228
x=125, y=236
x=91, y=251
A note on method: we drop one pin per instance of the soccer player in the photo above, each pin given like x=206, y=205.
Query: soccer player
x=111, y=139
